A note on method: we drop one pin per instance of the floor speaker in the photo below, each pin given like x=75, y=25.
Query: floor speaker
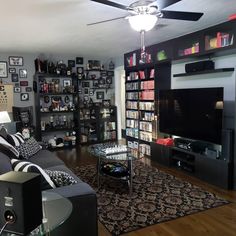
x=20, y=202
x=227, y=144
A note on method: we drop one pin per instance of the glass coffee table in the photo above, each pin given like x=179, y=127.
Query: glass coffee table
x=56, y=209
x=117, y=164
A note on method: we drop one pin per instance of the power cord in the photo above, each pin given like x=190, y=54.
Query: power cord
x=4, y=226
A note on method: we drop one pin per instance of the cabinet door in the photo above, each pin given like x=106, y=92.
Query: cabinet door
x=160, y=154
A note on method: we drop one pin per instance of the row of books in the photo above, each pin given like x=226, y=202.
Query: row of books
x=191, y=50
x=141, y=75
x=147, y=116
x=131, y=105
x=132, y=95
x=145, y=126
x=147, y=95
x=131, y=60
x=132, y=123
x=132, y=76
x=109, y=125
x=147, y=84
x=132, y=114
x=145, y=136
x=132, y=132
x=146, y=106
x=145, y=149
x=109, y=135
x=132, y=86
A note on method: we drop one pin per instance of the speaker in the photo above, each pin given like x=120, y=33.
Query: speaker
x=227, y=144
x=199, y=66
x=20, y=202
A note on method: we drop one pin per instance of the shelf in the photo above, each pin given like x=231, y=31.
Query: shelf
x=47, y=94
x=204, y=72
x=47, y=112
x=183, y=160
x=147, y=110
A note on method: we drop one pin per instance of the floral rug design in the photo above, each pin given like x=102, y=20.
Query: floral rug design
x=157, y=197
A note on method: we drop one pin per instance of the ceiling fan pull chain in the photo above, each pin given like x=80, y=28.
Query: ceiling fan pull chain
x=143, y=53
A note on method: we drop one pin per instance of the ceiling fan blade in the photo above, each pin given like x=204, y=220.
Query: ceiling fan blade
x=112, y=4
x=165, y=3
x=182, y=15
x=103, y=21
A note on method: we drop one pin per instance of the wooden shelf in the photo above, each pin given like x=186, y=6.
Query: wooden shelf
x=204, y=72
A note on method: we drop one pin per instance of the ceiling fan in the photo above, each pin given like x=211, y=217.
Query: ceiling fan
x=147, y=8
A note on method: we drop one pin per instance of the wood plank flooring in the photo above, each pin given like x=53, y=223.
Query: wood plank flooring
x=220, y=221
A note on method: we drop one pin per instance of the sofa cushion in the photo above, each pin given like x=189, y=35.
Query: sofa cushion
x=61, y=178
x=15, y=139
x=5, y=164
x=28, y=148
x=8, y=149
x=25, y=166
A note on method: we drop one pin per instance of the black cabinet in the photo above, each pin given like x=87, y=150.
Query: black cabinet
x=214, y=171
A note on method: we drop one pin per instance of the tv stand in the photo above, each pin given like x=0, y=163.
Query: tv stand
x=214, y=171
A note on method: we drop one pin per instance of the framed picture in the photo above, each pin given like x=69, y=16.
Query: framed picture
x=109, y=80
x=91, y=92
x=16, y=61
x=86, y=98
x=103, y=73
x=12, y=70
x=106, y=103
x=24, y=97
x=80, y=70
x=86, y=91
x=28, y=89
x=95, y=83
x=66, y=82
x=79, y=60
x=100, y=95
x=14, y=77
x=3, y=69
x=24, y=83
x=110, y=73
x=79, y=90
x=17, y=89
x=85, y=84
x=71, y=63
x=101, y=81
x=23, y=73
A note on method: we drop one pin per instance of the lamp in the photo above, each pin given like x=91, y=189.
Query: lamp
x=142, y=22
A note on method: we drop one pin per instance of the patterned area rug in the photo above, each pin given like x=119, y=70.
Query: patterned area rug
x=157, y=197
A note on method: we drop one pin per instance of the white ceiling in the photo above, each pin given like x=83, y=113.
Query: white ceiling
x=60, y=26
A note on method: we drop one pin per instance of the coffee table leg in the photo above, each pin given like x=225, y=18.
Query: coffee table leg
x=130, y=177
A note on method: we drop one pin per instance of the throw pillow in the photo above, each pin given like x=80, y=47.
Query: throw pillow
x=61, y=178
x=15, y=139
x=7, y=148
x=25, y=166
x=28, y=148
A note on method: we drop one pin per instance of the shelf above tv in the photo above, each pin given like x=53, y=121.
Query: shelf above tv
x=204, y=72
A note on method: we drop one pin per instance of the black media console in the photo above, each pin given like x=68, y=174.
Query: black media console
x=192, y=158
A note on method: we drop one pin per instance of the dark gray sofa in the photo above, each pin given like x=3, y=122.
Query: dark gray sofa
x=83, y=219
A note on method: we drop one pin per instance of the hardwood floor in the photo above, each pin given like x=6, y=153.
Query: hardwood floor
x=220, y=221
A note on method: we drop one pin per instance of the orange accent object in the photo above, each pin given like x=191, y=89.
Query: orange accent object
x=232, y=17
x=165, y=141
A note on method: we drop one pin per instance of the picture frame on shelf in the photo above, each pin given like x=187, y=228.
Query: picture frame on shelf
x=3, y=69
x=109, y=80
x=101, y=81
x=24, y=83
x=66, y=83
x=71, y=63
x=91, y=92
x=106, y=103
x=95, y=83
x=14, y=77
x=17, y=89
x=23, y=73
x=16, y=61
x=86, y=91
x=12, y=70
x=85, y=84
x=100, y=95
x=79, y=60
x=80, y=70
x=103, y=73
x=24, y=97
x=86, y=98
x=110, y=73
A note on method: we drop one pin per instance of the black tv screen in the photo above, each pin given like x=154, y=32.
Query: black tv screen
x=192, y=113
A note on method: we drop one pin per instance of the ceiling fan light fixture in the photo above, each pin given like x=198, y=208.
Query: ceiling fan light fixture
x=142, y=22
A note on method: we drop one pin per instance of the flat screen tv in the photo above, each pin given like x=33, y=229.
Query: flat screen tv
x=192, y=113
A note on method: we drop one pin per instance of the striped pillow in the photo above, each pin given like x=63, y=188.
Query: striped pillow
x=8, y=149
x=25, y=166
x=15, y=139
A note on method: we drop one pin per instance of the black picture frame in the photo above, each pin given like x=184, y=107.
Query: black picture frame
x=79, y=60
x=16, y=61
x=12, y=70
x=103, y=73
x=101, y=81
x=110, y=73
x=80, y=70
x=3, y=69
x=86, y=98
x=28, y=89
x=66, y=83
x=109, y=80
x=100, y=95
x=95, y=83
x=14, y=77
x=17, y=89
x=22, y=73
x=71, y=63
x=106, y=103
x=24, y=97
x=86, y=91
